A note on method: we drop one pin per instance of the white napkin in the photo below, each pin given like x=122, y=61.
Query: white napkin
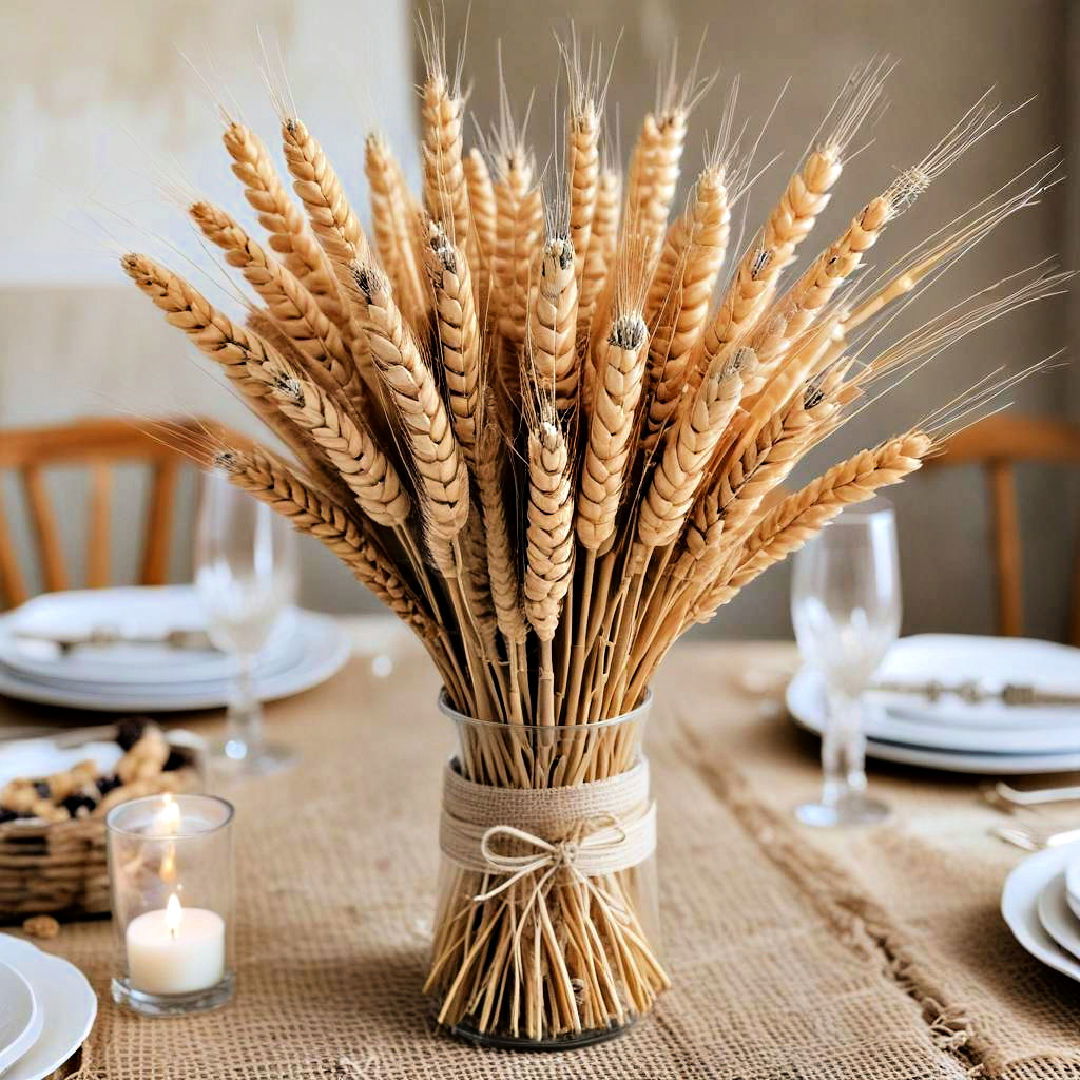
x=990, y=661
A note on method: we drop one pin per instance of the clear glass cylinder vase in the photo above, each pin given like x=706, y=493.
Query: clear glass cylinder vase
x=549, y=958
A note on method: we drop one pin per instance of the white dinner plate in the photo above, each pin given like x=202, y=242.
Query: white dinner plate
x=135, y=610
x=805, y=703
x=67, y=1003
x=324, y=650
x=1057, y=918
x=1020, y=906
x=21, y=1020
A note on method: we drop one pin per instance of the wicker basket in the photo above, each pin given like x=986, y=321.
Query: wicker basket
x=61, y=869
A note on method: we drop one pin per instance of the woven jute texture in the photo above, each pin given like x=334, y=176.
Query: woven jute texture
x=793, y=955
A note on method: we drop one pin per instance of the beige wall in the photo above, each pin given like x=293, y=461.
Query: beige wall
x=949, y=51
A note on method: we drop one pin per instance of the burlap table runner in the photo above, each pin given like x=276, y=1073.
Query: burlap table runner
x=793, y=955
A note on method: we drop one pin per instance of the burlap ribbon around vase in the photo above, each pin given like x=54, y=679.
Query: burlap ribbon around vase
x=589, y=830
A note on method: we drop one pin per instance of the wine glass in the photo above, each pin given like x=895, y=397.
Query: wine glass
x=245, y=578
x=845, y=606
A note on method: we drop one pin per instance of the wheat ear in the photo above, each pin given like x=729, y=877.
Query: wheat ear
x=549, y=544
x=295, y=310
x=411, y=388
x=349, y=447
x=619, y=373
x=315, y=182
x=392, y=228
x=504, y=577
x=275, y=483
x=688, y=448
x=661, y=143
x=446, y=197
x=620, y=369
x=681, y=293
x=213, y=332
x=278, y=215
x=767, y=459
x=583, y=163
x=552, y=324
x=550, y=525
x=483, y=215
x=599, y=257
x=804, y=198
x=854, y=480
x=459, y=335
x=520, y=223
x=249, y=361
x=810, y=294
x=502, y=559
x=801, y=516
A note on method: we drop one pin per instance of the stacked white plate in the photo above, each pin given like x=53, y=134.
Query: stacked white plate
x=1041, y=904
x=303, y=650
x=47, y=1009
x=950, y=733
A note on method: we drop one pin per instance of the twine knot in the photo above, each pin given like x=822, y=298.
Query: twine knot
x=598, y=836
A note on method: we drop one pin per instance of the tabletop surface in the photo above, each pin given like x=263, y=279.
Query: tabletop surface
x=876, y=953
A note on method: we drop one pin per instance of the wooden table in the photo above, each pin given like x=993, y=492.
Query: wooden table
x=794, y=954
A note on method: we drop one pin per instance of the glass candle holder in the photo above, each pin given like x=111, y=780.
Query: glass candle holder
x=171, y=871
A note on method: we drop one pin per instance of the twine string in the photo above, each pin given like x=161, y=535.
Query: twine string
x=602, y=835
x=587, y=832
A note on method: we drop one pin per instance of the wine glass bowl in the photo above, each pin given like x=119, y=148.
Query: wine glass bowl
x=246, y=579
x=846, y=611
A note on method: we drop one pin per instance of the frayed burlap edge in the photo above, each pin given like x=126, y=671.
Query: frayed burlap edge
x=859, y=922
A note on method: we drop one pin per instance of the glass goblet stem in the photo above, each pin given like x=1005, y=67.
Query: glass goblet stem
x=843, y=748
x=244, y=735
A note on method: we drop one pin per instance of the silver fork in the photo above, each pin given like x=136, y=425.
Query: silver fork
x=1034, y=838
x=1003, y=793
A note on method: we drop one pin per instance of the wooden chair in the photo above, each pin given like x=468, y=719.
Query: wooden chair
x=998, y=443
x=99, y=446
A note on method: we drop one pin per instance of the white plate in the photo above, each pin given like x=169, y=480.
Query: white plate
x=325, y=649
x=21, y=1020
x=1056, y=917
x=992, y=662
x=67, y=1002
x=807, y=709
x=1020, y=906
x=137, y=610
x=1072, y=885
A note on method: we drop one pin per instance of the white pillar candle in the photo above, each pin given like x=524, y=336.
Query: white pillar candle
x=176, y=950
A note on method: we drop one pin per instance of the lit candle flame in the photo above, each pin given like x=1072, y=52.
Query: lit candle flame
x=172, y=915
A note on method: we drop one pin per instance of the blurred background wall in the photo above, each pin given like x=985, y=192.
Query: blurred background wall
x=108, y=128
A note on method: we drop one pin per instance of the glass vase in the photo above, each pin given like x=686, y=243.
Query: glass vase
x=557, y=956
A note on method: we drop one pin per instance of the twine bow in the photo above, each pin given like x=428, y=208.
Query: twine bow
x=596, y=830
x=599, y=839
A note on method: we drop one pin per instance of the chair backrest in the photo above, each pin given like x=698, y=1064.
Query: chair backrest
x=98, y=446
x=998, y=443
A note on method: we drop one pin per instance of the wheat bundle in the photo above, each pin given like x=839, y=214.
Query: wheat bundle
x=551, y=451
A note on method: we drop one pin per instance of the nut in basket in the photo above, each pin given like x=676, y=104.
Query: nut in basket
x=54, y=795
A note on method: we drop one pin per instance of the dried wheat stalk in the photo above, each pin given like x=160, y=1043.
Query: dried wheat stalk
x=550, y=453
